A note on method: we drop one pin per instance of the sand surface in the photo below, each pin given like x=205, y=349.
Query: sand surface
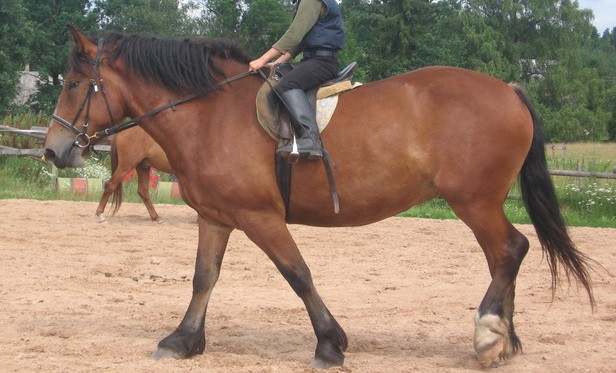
x=77, y=295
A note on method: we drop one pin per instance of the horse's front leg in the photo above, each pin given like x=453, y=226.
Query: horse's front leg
x=273, y=237
x=189, y=338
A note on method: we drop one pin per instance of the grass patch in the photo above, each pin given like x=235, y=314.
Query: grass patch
x=28, y=178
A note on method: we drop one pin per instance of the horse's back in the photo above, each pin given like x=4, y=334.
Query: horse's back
x=406, y=139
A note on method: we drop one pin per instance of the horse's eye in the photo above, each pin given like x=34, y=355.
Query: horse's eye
x=73, y=84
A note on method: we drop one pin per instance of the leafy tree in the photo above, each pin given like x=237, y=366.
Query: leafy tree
x=155, y=17
x=50, y=43
x=395, y=36
x=15, y=35
x=223, y=18
x=571, y=101
x=263, y=23
x=600, y=53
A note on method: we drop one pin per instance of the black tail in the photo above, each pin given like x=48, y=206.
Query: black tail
x=116, y=201
x=542, y=206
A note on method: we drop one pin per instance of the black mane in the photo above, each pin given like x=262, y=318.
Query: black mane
x=180, y=65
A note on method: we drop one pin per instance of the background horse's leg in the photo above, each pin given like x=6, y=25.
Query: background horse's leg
x=189, y=338
x=110, y=186
x=143, y=189
x=273, y=237
x=504, y=248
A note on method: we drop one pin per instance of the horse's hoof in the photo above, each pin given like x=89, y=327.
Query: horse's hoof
x=491, y=340
x=490, y=355
x=319, y=364
x=165, y=353
x=159, y=221
x=101, y=218
x=327, y=355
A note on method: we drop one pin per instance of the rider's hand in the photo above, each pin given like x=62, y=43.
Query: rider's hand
x=255, y=65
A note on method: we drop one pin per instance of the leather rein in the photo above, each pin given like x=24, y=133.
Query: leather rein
x=83, y=140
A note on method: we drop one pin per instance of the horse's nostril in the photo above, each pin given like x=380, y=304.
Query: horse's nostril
x=49, y=154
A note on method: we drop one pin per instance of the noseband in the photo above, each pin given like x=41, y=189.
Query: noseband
x=83, y=140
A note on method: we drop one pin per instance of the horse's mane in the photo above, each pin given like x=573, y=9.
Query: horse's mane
x=179, y=65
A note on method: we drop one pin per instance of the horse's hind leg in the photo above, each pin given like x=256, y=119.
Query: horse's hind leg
x=189, y=338
x=110, y=186
x=504, y=248
x=143, y=189
x=273, y=237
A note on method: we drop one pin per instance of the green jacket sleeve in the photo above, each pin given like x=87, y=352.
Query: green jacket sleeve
x=306, y=17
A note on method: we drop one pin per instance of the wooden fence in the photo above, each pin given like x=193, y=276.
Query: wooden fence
x=38, y=133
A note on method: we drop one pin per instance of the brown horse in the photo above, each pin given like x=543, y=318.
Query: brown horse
x=396, y=143
x=133, y=149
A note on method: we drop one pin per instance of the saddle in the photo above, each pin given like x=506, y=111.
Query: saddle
x=276, y=121
x=274, y=117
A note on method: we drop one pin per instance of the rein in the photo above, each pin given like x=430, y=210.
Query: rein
x=83, y=140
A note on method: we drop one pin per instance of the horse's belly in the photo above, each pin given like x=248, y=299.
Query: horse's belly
x=366, y=196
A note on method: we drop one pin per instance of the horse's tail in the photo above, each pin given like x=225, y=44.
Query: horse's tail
x=542, y=206
x=116, y=201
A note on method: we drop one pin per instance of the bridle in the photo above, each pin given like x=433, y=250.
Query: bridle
x=83, y=140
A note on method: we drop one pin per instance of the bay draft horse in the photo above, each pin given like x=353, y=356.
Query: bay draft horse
x=436, y=131
x=133, y=149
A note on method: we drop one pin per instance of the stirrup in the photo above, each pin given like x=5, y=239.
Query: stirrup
x=291, y=156
x=294, y=155
x=292, y=152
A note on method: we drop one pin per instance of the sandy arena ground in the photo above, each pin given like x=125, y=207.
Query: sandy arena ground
x=77, y=295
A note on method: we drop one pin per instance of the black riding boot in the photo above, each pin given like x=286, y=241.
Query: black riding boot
x=303, y=119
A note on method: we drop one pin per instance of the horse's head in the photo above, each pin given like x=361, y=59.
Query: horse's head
x=87, y=103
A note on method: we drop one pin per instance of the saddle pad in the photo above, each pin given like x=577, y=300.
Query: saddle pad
x=327, y=99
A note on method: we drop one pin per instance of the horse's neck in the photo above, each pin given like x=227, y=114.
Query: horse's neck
x=190, y=130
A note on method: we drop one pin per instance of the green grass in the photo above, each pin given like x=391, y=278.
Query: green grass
x=28, y=178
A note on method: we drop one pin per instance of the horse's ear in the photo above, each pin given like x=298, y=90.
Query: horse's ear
x=83, y=44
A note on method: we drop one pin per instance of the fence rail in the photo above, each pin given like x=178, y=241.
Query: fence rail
x=599, y=175
x=38, y=133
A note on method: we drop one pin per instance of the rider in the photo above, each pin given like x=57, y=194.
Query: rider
x=317, y=31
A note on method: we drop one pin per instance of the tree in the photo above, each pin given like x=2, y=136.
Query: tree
x=223, y=18
x=395, y=36
x=263, y=23
x=49, y=47
x=511, y=39
x=155, y=17
x=15, y=36
x=600, y=53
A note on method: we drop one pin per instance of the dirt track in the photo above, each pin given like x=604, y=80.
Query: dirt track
x=81, y=296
